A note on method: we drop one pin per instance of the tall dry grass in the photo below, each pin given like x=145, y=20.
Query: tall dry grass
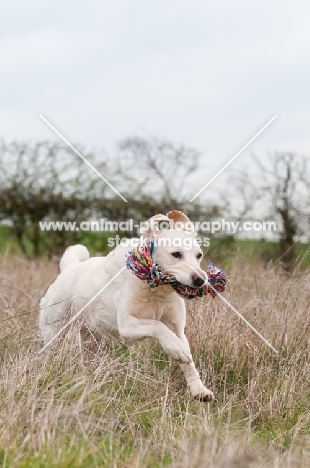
x=130, y=408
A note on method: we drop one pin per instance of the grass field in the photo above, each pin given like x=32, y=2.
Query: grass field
x=131, y=408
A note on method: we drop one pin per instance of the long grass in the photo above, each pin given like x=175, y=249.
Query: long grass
x=131, y=408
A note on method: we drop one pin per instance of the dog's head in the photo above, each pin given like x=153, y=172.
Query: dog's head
x=176, y=249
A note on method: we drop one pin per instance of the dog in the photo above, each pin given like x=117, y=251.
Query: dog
x=128, y=309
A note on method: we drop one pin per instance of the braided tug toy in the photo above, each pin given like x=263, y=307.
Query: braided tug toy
x=140, y=262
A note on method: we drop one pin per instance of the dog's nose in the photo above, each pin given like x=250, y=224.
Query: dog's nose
x=197, y=280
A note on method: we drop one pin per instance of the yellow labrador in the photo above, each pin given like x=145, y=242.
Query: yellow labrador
x=128, y=308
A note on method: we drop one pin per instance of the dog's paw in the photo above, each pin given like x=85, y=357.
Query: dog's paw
x=204, y=394
x=178, y=351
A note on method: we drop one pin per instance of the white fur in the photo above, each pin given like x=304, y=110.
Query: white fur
x=127, y=309
x=74, y=254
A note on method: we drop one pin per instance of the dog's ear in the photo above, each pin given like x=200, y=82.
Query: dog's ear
x=155, y=225
x=180, y=221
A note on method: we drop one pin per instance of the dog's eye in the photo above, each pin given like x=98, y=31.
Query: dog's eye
x=199, y=256
x=163, y=225
x=176, y=254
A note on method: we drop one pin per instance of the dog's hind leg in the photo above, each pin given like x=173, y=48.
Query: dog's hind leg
x=54, y=311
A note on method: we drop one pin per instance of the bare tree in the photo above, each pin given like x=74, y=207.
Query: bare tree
x=278, y=189
x=287, y=186
x=161, y=167
x=43, y=181
x=159, y=176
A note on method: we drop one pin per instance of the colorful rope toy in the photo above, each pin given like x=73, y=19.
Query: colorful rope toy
x=140, y=262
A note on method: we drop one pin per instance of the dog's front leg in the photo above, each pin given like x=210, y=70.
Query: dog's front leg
x=175, y=321
x=133, y=328
x=196, y=387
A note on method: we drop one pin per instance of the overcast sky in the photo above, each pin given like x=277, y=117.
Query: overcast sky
x=208, y=74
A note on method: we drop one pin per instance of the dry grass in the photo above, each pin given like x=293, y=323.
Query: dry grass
x=131, y=407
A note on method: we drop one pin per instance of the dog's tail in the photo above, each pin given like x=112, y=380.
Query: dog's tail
x=73, y=255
